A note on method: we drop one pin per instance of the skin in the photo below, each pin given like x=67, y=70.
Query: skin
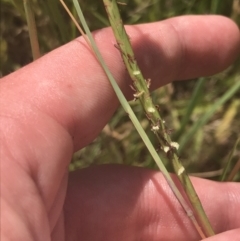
x=60, y=103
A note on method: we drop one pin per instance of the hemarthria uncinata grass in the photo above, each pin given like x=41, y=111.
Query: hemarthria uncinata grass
x=141, y=86
x=157, y=124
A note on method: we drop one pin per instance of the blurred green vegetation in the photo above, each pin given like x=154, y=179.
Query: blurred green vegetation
x=212, y=139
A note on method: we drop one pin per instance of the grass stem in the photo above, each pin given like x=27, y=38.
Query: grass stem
x=32, y=29
x=141, y=85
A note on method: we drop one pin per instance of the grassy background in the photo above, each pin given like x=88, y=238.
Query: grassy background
x=206, y=150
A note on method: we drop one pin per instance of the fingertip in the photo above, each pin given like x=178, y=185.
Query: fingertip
x=210, y=43
x=230, y=38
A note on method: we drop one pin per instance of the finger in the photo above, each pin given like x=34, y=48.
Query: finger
x=115, y=202
x=232, y=235
x=69, y=84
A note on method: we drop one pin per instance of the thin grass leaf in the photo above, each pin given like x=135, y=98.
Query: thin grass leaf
x=19, y=6
x=100, y=18
x=234, y=171
x=229, y=160
x=222, y=132
x=32, y=29
x=191, y=106
x=62, y=25
x=205, y=118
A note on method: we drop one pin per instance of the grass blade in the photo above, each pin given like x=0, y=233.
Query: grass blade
x=192, y=104
x=56, y=15
x=234, y=171
x=230, y=158
x=204, y=119
x=32, y=29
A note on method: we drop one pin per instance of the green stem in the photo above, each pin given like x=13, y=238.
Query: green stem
x=56, y=16
x=230, y=158
x=192, y=104
x=205, y=118
x=32, y=29
x=141, y=85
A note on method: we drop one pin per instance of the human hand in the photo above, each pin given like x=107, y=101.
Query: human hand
x=59, y=104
